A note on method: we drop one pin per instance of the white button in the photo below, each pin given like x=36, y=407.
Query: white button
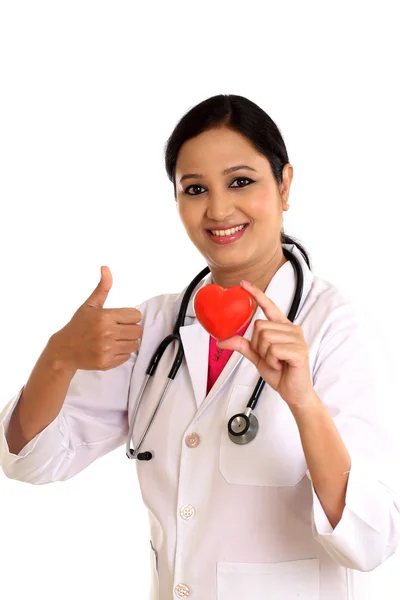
x=192, y=440
x=187, y=512
x=182, y=591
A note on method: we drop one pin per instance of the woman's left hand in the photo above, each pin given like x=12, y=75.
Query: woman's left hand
x=278, y=350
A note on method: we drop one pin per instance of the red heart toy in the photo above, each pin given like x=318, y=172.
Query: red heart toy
x=222, y=312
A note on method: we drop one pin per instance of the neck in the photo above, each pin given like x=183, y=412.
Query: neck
x=259, y=275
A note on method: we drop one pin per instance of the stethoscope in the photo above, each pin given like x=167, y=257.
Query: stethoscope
x=242, y=427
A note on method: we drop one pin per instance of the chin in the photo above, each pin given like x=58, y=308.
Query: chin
x=228, y=262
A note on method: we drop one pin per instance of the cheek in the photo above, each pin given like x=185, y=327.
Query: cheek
x=261, y=205
x=188, y=215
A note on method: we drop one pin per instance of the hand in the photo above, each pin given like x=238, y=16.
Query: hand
x=279, y=351
x=98, y=338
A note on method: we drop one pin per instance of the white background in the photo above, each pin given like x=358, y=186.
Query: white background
x=90, y=91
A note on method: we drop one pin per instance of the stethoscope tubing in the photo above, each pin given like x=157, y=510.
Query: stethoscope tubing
x=291, y=316
x=155, y=359
x=248, y=419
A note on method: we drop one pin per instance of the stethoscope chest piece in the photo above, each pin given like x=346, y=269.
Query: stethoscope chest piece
x=243, y=427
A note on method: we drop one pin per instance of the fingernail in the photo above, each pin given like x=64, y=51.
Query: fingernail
x=244, y=282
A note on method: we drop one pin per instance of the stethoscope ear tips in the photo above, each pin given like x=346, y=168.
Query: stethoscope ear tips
x=242, y=428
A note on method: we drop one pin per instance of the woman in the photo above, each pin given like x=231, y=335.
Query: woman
x=288, y=515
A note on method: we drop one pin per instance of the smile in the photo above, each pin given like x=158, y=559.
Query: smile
x=226, y=236
x=226, y=231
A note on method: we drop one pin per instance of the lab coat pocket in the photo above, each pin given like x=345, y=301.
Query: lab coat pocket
x=154, y=583
x=275, y=456
x=292, y=580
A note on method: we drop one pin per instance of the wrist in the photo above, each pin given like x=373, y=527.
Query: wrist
x=54, y=356
x=311, y=405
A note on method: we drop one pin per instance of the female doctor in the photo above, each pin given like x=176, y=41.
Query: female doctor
x=288, y=515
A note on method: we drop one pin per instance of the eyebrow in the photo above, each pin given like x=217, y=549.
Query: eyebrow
x=225, y=172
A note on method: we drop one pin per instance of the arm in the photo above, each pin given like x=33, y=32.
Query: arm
x=355, y=515
x=49, y=382
x=93, y=421
x=66, y=419
x=326, y=455
x=351, y=450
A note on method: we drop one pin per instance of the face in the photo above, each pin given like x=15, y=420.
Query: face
x=228, y=199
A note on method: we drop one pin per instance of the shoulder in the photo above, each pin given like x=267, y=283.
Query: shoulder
x=329, y=302
x=330, y=316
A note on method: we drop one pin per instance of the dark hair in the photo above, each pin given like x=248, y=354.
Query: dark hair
x=242, y=115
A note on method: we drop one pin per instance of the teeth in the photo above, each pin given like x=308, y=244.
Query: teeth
x=222, y=232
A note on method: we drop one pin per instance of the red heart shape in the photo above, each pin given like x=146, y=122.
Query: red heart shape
x=222, y=312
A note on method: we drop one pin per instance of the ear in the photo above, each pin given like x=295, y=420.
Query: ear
x=284, y=187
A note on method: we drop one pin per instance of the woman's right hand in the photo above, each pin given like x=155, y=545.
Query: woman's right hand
x=98, y=338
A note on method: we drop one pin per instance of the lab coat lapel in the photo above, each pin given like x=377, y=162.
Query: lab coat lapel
x=195, y=341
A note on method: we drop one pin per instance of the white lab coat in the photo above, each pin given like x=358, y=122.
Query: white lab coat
x=231, y=522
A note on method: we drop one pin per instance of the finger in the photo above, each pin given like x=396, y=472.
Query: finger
x=290, y=332
x=256, y=341
x=266, y=337
x=267, y=332
x=125, y=316
x=274, y=326
x=268, y=307
x=241, y=345
x=126, y=347
x=127, y=332
x=272, y=361
x=293, y=354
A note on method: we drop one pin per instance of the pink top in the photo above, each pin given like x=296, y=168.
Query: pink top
x=217, y=358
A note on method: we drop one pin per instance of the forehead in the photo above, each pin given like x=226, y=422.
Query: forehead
x=217, y=149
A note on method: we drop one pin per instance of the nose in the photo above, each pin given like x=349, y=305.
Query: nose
x=220, y=206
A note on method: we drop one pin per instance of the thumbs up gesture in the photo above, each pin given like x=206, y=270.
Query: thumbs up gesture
x=98, y=338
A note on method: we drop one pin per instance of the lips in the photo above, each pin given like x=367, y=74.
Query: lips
x=227, y=238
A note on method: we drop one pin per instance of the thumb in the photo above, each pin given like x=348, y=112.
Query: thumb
x=100, y=293
x=240, y=344
x=233, y=343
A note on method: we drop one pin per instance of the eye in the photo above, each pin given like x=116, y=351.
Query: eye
x=197, y=189
x=241, y=179
x=195, y=186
